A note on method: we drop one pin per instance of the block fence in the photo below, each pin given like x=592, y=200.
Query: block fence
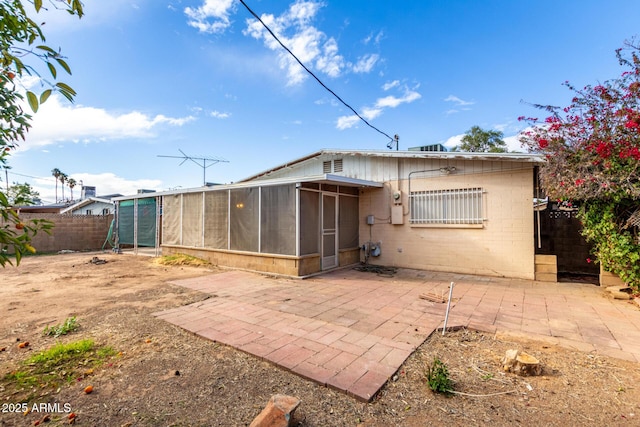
x=70, y=232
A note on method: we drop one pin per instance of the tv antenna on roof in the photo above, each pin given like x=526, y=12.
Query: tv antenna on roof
x=203, y=162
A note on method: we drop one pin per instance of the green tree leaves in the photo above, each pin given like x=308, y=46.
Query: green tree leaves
x=22, y=40
x=616, y=246
x=33, y=101
x=478, y=140
x=592, y=150
x=18, y=34
x=22, y=194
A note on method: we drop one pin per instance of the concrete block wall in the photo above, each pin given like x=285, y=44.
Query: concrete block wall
x=503, y=246
x=610, y=279
x=70, y=232
x=276, y=264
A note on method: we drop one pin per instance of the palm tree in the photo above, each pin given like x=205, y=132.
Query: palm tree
x=71, y=183
x=56, y=174
x=63, y=178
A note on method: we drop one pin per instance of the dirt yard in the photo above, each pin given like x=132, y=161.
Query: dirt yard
x=160, y=375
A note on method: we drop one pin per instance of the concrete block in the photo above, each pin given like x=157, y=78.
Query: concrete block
x=546, y=268
x=546, y=277
x=546, y=259
x=610, y=279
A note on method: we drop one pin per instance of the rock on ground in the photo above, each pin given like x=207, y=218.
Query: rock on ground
x=277, y=413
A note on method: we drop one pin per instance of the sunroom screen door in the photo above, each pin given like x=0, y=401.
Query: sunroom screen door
x=329, y=231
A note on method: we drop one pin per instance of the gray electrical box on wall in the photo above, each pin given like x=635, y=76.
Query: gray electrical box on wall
x=397, y=217
x=370, y=220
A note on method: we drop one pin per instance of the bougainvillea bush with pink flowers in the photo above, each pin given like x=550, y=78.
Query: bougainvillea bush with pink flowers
x=592, y=150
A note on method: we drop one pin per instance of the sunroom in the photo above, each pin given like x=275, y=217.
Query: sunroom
x=294, y=227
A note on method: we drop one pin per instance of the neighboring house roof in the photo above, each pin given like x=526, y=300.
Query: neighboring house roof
x=85, y=202
x=440, y=155
x=109, y=196
x=53, y=208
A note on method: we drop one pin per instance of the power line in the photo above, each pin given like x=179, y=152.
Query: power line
x=392, y=140
x=30, y=176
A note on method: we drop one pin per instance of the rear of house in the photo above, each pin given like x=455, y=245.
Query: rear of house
x=468, y=213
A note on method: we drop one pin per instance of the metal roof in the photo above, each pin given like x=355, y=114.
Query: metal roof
x=326, y=178
x=85, y=202
x=410, y=154
x=341, y=180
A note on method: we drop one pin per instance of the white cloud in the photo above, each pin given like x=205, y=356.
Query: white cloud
x=294, y=28
x=212, y=16
x=159, y=119
x=370, y=113
x=56, y=122
x=390, y=85
x=331, y=101
x=501, y=126
x=330, y=62
x=513, y=143
x=459, y=102
x=346, y=122
x=453, y=141
x=305, y=46
x=393, y=101
x=105, y=183
x=376, y=38
x=109, y=183
x=218, y=115
x=366, y=63
x=310, y=45
x=303, y=11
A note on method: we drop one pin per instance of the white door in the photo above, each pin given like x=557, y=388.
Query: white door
x=329, y=231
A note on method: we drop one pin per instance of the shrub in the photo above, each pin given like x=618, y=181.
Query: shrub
x=438, y=377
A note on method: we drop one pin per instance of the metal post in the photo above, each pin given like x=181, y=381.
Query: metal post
x=446, y=316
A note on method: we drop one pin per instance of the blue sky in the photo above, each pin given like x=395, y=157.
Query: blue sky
x=157, y=76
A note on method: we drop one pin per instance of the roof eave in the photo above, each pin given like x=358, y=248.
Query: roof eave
x=449, y=155
x=324, y=178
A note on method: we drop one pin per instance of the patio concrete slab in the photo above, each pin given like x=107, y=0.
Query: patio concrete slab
x=352, y=330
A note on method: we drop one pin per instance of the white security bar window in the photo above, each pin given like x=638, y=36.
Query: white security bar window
x=460, y=206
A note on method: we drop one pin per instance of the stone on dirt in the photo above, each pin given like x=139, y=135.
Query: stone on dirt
x=278, y=412
x=521, y=363
x=624, y=288
x=621, y=295
x=620, y=292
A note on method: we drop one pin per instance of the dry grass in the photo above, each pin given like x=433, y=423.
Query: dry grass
x=181, y=259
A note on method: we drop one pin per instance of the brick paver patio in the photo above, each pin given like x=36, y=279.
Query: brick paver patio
x=352, y=330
